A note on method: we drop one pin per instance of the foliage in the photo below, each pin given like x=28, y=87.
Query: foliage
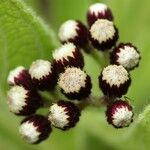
x=25, y=37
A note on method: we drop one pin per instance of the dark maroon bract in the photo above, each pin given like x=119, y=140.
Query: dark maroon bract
x=84, y=92
x=119, y=114
x=114, y=86
x=74, y=83
x=43, y=74
x=127, y=55
x=23, y=101
x=70, y=114
x=20, y=76
x=77, y=33
x=98, y=11
x=72, y=57
x=41, y=125
x=103, y=34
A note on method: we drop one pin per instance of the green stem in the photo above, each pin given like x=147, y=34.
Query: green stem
x=95, y=101
x=90, y=101
x=54, y=94
x=98, y=57
x=106, y=55
x=50, y=97
x=102, y=58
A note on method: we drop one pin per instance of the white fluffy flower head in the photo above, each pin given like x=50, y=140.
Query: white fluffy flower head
x=98, y=8
x=29, y=132
x=128, y=57
x=40, y=68
x=58, y=116
x=64, y=51
x=13, y=74
x=17, y=98
x=72, y=80
x=102, y=30
x=122, y=116
x=68, y=30
x=115, y=75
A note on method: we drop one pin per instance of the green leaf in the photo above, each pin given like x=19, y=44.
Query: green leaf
x=23, y=37
x=42, y=7
x=142, y=129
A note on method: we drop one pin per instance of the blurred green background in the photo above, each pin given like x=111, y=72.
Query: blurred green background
x=132, y=17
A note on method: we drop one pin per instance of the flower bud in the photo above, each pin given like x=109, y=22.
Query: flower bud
x=20, y=76
x=75, y=83
x=75, y=32
x=103, y=34
x=43, y=74
x=119, y=114
x=64, y=115
x=127, y=55
x=67, y=55
x=114, y=80
x=22, y=101
x=35, y=129
x=98, y=11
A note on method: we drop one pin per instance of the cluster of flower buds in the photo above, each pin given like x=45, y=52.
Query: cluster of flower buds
x=114, y=80
x=66, y=71
x=24, y=98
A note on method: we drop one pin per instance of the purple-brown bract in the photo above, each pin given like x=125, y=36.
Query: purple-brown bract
x=98, y=11
x=23, y=101
x=64, y=114
x=114, y=80
x=43, y=74
x=75, y=83
x=103, y=34
x=34, y=129
x=20, y=76
x=67, y=55
x=119, y=114
x=127, y=55
x=75, y=32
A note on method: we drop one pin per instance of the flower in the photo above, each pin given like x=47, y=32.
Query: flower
x=98, y=11
x=114, y=80
x=67, y=55
x=35, y=129
x=43, y=74
x=127, y=55
x=20, y=76
x=64, y=115
x=75, y=83
x=103, y=34
x=22, y=101
x=75, y=32
x=119, y=114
